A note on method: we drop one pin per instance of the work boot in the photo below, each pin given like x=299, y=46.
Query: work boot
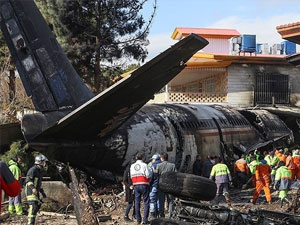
x=152, y=215
x=281, y=203
x=126, y=218
x=286, y=200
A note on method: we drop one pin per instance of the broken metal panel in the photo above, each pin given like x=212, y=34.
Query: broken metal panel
x=268, y=86
x=46, y=73
x=268, y=124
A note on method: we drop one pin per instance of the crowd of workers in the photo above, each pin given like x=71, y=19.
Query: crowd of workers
x=141, y=181
x=11, y=183
x=264, y=171
x=275, y=169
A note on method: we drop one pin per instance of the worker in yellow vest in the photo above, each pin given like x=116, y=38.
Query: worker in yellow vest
x=221, y=174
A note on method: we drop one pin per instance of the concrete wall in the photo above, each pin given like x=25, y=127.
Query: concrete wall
x=241, y=81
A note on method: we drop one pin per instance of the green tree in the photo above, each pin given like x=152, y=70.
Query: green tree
x=99, y=34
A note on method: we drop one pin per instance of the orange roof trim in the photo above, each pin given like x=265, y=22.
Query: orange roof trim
x=290, y=32
x=181, y=32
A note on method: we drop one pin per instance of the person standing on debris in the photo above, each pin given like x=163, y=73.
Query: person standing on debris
x=208, y=165
x=241, y=171
x=155, y=194
x=162, y=168
x=280, y=154
x=15, y=203
x=296, y=160
x=269, y=157
x=221, y=174
x=252, y=167
x=197, y=166
x=262, y=175
x=290, y=165
x=129, y=193
x=33, y=187
x=140, y=177
x=8, y=183
x=283, y=180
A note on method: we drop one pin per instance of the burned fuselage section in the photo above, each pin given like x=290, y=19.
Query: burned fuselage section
x=181, y=130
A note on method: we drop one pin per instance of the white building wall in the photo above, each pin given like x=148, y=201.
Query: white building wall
x=217, y=46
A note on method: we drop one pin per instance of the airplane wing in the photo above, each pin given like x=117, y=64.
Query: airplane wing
x=111, y=108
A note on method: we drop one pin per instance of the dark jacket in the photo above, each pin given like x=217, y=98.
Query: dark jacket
x=34, y=180
x=197, y=167
x=154, y=178
x=207, y=167
x=164, y=167
x=129, y=196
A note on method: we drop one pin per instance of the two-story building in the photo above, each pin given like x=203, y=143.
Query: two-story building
x=213, y=75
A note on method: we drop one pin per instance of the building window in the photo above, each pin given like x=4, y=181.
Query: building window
x=210, y=86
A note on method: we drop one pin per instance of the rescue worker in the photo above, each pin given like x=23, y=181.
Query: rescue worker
x=280, y=154
x=140, y=177
x=296, y=160
x=290, y=165
x=129, y=194
x=8, y=183
x=15, y=203
x=220, y=173
x=252, y=167
x=269, y=157
x=274, y=166
x=162, y=168
x=33, y=187
x=262, y=175
x=283, y=180
x=155, y=194
x=241, y=171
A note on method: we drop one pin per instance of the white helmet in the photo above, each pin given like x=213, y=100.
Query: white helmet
x=40, y=159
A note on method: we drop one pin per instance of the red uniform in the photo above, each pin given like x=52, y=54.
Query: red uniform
x=262, y=175
x=8, y=183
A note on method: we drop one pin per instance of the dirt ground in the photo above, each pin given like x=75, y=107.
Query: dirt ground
x=110, y=210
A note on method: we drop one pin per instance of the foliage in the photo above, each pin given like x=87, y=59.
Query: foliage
x=98, y=35
x=20, y=148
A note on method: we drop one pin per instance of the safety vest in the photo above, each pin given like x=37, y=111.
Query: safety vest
x=268, y=158
x=15, y=170
x=252, y=166
x=283, y=175
x=220, y=173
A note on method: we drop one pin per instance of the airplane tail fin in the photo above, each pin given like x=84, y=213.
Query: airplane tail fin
x=46, y=73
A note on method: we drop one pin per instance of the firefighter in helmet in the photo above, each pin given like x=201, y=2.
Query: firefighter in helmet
x=33, y=188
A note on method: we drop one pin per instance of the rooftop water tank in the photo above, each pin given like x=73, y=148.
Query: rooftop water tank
x=288, y=48
x=248, y=43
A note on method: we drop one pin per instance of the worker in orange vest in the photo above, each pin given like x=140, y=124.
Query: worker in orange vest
x=296, y=160
x=241, y=171
x=279, y=153
x=262, y=175
x=289, y=163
